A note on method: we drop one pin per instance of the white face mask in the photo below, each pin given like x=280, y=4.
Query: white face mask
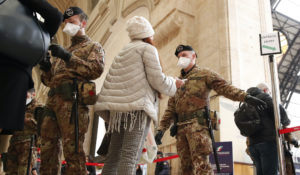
x=28, y=100
x=183, y=62
x=71, y=29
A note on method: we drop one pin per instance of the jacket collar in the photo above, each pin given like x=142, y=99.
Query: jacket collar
x=79, y=39
x=183, y=73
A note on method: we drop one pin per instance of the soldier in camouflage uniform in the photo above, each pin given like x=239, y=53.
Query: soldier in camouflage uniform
x=289, y=164
x=187, y=108
x=83, y=60
x=18, y=150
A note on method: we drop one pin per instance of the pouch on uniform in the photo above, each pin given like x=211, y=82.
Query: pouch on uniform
x=215, y=120
x=87, y=93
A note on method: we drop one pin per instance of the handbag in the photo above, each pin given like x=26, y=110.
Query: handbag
x=149, y=150
x=22, y=38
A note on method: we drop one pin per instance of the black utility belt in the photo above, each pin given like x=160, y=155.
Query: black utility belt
x=21, y=138
x=86, y=92
x=200, y=115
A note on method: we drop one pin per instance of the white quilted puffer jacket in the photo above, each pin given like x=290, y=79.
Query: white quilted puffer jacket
x=133, y=80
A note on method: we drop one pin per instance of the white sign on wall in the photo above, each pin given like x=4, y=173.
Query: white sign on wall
x=270, y=43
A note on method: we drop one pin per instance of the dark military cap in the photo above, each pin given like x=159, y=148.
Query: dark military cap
x=72, y=11
x=181, y=48
x=159, y=153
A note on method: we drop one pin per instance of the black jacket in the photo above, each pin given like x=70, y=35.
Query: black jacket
x=91, y=170
x=162, y=168
x=16, y=78
x=53, y=19
x=267, y=117
x=52, y=16
x=139, y=171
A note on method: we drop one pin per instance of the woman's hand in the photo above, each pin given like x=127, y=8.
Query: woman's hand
x=179, y=83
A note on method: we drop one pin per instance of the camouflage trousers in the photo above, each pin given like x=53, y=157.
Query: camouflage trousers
x=58, y=133
x=17, y=159
x=289, y=167
x=194, y=147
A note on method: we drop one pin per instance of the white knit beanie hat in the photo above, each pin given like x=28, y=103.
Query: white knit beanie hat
x=139, y=27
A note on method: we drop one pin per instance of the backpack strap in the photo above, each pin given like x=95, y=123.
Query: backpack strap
x=240, y=104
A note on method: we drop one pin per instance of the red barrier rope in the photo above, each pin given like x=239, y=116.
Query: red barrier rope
x=102, y=164
x=94, y=164
x=288, y=130
x=165, y=158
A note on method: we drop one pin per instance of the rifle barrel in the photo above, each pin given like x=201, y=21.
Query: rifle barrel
x=211, y=133
x=76, y=114
x=30, y=155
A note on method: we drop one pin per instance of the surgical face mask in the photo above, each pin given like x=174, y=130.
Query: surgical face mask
x=183, y=62
x=28, y=100
x=71, y=29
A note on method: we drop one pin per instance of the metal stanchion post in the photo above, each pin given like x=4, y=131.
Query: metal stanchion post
x=275, y=95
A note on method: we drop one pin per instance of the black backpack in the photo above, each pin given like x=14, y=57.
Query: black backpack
x=247, y=119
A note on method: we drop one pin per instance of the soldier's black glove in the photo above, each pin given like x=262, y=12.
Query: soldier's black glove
x=159, y=136
x=45, y=63
x=173, y=130
x=295, y=143
x=60, y=52
x=255, y=102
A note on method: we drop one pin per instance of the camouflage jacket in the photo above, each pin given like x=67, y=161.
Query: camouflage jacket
x=86, y=63
x=194, y=95
x=30, y=125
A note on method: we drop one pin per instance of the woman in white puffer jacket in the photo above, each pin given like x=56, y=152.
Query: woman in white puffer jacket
x=130, y=94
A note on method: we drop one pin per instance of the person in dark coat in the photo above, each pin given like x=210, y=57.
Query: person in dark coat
x=91, y=170
x=262, y=146
x=139, y=170
x=163, y=167
x=16, y=78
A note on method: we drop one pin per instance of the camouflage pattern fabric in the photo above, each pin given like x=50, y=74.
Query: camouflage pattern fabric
x=86, y=63
x=58, y=132
x=194, y=147
x=18, y=150
x=289, y=167
x=193, y=140
x=288, y=155
x=18, y=158
x=194, y=95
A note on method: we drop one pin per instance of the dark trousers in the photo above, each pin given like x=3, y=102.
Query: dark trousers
x=14, y=83
x=265, y=158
